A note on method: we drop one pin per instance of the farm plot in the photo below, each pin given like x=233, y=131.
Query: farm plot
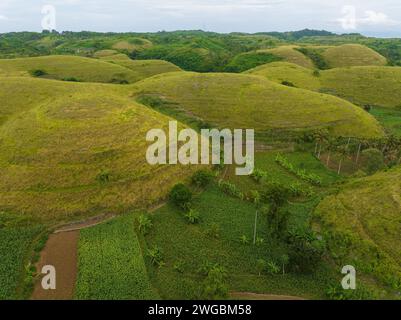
x=110, y=263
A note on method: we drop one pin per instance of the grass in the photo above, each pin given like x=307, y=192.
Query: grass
x=377, y=86
x=111, y=265
x=16, y=237
x=351, y=55
x=362, y=224
x=57, y=137
x=284, y=71
x=291, y=55
x=142, y=69
x=192, y=245
x=64, y=67
x=254, y=102
x=389, y=118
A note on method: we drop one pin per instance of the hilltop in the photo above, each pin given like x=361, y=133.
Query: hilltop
x=82, y=69
x=245, y=101
x=73, y=149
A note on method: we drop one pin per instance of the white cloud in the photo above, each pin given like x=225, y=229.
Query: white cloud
x=2, y=17
x=375, y=18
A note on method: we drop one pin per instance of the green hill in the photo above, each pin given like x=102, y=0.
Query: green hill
x=73, y=149
x=142, y=68
x=351, y=55
x=366, y=85
x=380, y=86
x=290, y=54
x=117, y=68
x=68, y=67
x=245, y=101
x=288, y=72
x=363, y=223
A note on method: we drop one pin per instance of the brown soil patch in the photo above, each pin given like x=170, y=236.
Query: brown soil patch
x=256, y=296
x=61, y=252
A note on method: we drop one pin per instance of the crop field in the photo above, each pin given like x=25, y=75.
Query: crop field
x=16, y=237
x=111, y=264
x=192, y=246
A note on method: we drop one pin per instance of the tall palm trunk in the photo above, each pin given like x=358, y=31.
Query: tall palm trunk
x=340, y=166
x=328, y=159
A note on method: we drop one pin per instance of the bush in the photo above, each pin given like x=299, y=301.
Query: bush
x=372, y=160
x=192, y=216
x=103, y=176
x=156, y=256
x=37, y=73
x=181, y=196
x=288, y=84
x=144, y=224
x=230, y=189
x=71, y=79
x=202, y=178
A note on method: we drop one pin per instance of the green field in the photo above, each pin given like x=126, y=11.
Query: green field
x=111, y=264
x=191, y=246
x=16, y=237
x=389, y=118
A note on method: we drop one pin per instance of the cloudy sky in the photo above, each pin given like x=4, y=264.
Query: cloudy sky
x=377, y=18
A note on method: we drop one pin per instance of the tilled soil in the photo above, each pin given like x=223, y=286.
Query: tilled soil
x=61, y=252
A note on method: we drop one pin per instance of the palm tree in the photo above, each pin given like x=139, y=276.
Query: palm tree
x=343, y=151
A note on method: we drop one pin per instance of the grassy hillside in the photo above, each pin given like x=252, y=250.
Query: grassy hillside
x=141, y=68
x=68, y=68
x=363, y=223
x=290, y=54
x=365, y=85
x=111, y=264
x=72, y=149
x=380, y=86
x=244, y=101
x=350, y=55
x=288, y=72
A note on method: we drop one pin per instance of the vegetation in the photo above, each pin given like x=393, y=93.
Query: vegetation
x=111, y=264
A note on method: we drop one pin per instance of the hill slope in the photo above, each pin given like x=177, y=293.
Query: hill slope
x=142, y=68
x=244, y=101
x=350, y=55
x=364, y=223
x=284, y=71
x=290, y=54
x=380, y=86
x=110, y=69
x=72, y=149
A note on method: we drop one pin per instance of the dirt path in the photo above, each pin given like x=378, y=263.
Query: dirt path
x=75, y=226
x=256, y=296
x=61, y=252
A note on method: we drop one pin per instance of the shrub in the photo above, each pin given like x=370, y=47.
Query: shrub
x=261, y=266
x=192, y=216
x=372, y=160
x=244, y=239
x=103, y=176
x=272, y=268
x=214, y=286
x=288, y=84
x=145, y=223
x=179, y=266
x=181, y=196
x=71, y=79
x=156, y=256
x=37, y=73
x=202, y=178
x=230, y=189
